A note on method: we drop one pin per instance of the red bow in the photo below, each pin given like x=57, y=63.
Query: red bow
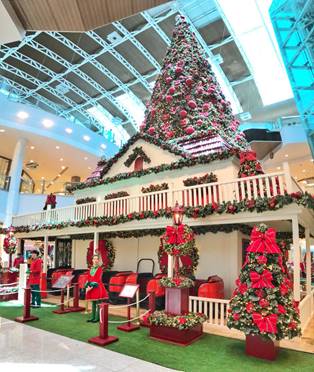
x=261, y=280
x=263, y=242
x=175, y=234
x=267, y=323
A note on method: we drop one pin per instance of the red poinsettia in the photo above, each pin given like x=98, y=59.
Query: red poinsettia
x=249, y=307
x=182, y=320
x=281, y=309
x=236, y=316
x=261, y=260
x=263, y=302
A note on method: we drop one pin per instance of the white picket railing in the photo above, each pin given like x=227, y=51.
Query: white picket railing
x=306, y=309
x=215, y=309
x=238, y=189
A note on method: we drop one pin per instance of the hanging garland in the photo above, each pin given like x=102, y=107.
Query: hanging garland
x=115, y=195
x=258, y=205
x=10, y=243
x=85, y=200
x=106, y=252
x=137, y=151
x=207, y=178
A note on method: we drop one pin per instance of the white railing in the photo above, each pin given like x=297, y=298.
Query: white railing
x=215, y=309
x=306, y=309
x=266, y=185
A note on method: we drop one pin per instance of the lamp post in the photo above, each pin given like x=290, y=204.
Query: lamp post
x=177, y=217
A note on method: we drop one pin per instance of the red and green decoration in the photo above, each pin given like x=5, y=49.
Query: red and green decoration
x=115, y=195
x=254, y=205
x=85, y=200
x=207, y=178
x=187, y=101
x=179, y=241
x=249, y=165
x=262, y=302
x=181, y=282
x=181, y=322
x=155, y=188
x=137, y=152
x=10, y=242
x=106, y=252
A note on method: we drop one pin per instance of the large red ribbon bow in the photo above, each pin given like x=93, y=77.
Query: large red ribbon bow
x=263, y=242
x=175, y=235
x=266, y=323
x=261, y=280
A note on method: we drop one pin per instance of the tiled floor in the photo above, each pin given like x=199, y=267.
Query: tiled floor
x=27, y=349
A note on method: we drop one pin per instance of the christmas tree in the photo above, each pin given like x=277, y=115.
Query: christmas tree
x=187, y=102
x=262, y=303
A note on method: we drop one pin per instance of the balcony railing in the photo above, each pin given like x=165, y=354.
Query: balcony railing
x=266, y=185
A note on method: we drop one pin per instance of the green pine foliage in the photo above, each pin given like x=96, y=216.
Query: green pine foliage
x=267, y=309
x=187, y=101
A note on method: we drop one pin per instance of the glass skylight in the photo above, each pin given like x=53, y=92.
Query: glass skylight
x=113, y=132
x=135, y=108
x=249, y=22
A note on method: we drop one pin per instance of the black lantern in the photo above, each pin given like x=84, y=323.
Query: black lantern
x=177, y=214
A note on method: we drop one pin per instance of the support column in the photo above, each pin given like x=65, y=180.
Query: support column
x=170, y=266
x=296, y=258
x=308, y=261
x=15, y=180
x=288, y=178
x=45, y=263
x=96, y=241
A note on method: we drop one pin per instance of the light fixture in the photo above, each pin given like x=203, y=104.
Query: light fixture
x=312, y=160
x=103, y=146
x=22, y=115
x=59, y=175
x=278, y=168
x=61, y=159
x=177, y=214
x=69, y=130
x=89, y=168
x=42, y=178
x=86, y=138
x=47, y=123
x=2, y=130
x=32, y=147
x=303, y=170
x=31, y=161
x=286, y=155
x=63, y=167
x=85, y=158
x=58, y=147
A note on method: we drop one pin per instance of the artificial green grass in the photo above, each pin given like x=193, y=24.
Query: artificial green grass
x=211, y=353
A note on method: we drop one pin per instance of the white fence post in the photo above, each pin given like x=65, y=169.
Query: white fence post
x=288, y=178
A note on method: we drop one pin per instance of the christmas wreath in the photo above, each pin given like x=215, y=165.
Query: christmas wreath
x=10, y=243
x=187, y=250
x=106, y=252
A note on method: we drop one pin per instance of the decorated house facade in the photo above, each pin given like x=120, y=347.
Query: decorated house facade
x=189, y=150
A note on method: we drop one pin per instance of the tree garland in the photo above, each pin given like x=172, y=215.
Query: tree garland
x=179, y=164
x=137, y=151
x=154, y=188
x=182, y=282
x=258, y=205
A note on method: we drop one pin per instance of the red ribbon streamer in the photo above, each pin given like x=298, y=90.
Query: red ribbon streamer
x=267, y=323
x=261, y=280
x=263, y=242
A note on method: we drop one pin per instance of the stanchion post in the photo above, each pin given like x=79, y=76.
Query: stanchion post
x=128, y=327
x=26, y=317
x=61, y=310
x=103, y=339
x=151, y=307
x=76, y=300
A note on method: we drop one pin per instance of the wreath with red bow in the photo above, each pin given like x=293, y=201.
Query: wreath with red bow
x=179, y=241
x=106, y=252
x=10, y=243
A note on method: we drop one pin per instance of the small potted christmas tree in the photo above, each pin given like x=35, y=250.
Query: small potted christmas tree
x=262, y=305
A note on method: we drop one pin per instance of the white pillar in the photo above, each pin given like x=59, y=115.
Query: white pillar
x=45, y=254
x=96, y=241
x=22, y=282
x=288, y=178
x=296, y=258
x=308, y=261
x=170, y=266
x=15, y=180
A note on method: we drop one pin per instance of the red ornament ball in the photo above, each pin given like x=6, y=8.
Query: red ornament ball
x=199, y=122
x=183, y=122
x=151, y=130
x=171, y=90
x=168, y=98
x=168, y=80
x=206, y=106
x=178, y=70
x=192, y=104
x=183, y=114
x=189, y=130
x=189, y=81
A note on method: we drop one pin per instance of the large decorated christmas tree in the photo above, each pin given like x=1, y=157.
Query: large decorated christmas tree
x=187, y=106
x=262, y=303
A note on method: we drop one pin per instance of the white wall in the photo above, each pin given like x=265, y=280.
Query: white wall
x=3, y=204
x=220, y=254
